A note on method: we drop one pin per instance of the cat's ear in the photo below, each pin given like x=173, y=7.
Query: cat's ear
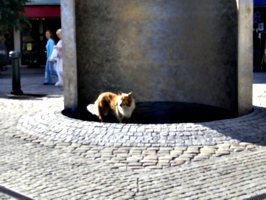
x=130, y=94
x=119, y=93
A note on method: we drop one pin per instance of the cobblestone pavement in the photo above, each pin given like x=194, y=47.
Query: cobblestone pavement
x=5, y=197
x=232, y=168
x=55, y=126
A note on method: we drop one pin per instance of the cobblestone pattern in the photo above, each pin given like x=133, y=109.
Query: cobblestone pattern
x=52, y=173
x=5, y=197
x=226, y=178
x=54, y=126
x=135, y=158
x=48, y=170
x=45, y=173
x=139, y=158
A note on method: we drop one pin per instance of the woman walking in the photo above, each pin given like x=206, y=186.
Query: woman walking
x=49, y=67
x=57, y=57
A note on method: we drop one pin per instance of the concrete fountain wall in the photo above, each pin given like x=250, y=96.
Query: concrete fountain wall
x=197, y=51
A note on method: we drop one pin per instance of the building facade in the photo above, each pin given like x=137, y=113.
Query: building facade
x=259, y=35
x=43, y=15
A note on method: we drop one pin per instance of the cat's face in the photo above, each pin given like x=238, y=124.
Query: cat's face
x=125, y=99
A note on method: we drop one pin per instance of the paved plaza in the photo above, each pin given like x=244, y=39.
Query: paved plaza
x=45, y=155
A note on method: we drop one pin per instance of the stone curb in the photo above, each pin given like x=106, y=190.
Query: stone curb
x=53, y=126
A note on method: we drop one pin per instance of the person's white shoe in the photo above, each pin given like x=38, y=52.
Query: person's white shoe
x=58, y=84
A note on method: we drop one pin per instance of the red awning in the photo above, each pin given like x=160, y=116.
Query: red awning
x=42, y=11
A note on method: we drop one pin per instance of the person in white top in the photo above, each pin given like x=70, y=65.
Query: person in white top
x=58, y=59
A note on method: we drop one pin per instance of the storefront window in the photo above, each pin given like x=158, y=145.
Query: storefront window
x=259, y=38
x=33, y=41
x=7, y=38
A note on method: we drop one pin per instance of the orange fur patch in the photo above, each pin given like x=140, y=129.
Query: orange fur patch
x=109, y=102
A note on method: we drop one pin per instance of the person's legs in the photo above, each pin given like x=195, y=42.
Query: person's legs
x=57, y=74
x=59, y=69
x=47, y=76
x=60, y=79
x=52, y=69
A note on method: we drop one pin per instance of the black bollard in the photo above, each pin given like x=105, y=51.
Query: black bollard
x=15, y=56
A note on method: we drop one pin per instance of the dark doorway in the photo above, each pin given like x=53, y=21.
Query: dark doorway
x=33, y=41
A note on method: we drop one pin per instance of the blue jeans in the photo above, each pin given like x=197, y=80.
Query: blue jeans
x=49, y=71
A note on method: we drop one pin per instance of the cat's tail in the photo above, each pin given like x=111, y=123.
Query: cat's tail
x=92, y=108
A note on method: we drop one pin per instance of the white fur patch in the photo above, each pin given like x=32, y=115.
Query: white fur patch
x=125, y=110
x=93, y=109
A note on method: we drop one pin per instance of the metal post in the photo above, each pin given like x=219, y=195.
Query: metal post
x=15, y=56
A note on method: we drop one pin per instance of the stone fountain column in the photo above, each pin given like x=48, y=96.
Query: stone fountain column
x=162, y=50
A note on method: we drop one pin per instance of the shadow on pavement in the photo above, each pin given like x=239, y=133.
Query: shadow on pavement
x=166, y=113
x=259, y=78
x=250, y=128
x=31, y=80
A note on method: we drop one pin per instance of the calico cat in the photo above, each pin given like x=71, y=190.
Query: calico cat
x=121, y=105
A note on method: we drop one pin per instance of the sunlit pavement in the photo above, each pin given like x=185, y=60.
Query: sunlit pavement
x=62, y=166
